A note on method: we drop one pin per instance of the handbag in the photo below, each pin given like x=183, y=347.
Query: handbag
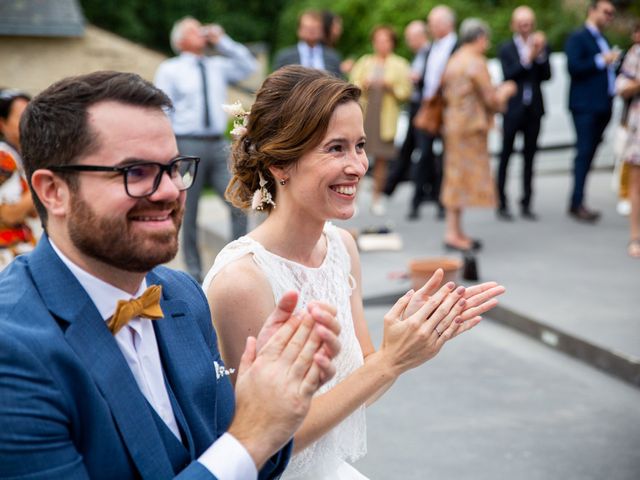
x=428, y=118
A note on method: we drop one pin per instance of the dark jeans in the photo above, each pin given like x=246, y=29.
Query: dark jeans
x=529, y=125
x=213, y=170
x=589, y=129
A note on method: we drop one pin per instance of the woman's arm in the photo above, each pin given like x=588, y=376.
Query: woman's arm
x=17, y=213
x=240, y=298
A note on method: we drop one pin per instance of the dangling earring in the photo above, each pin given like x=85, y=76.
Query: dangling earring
x=262, y=197
x=283, y=181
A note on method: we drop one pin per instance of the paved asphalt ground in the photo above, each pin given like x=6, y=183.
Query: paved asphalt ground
x=510, y=402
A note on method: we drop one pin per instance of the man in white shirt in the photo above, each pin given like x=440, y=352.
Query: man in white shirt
x=91, y=386
x=197, y=85
x=310, y=51
x=427, y=178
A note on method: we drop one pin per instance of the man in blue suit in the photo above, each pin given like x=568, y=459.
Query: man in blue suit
x=89, y=386
x=591, y=64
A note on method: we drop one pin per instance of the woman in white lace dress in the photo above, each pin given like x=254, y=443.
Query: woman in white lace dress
x=303, y=150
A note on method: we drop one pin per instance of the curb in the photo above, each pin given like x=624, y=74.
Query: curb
x=620, y=365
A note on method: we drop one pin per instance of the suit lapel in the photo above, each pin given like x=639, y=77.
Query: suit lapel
x=89, y=337
x=188, y=366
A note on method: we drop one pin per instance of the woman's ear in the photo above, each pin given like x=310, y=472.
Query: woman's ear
x=52, y=191
x=279, y=174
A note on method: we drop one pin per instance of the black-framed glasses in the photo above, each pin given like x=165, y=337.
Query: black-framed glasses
x=142, y=179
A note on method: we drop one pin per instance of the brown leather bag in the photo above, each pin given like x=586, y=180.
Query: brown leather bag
x=429, y=116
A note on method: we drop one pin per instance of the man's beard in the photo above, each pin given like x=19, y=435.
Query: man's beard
x=111, y=240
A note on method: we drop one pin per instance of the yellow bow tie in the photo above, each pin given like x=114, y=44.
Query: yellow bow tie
x=146, y=305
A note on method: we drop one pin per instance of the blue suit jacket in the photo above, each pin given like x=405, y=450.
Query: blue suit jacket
x=589, y=91
x=69, y=404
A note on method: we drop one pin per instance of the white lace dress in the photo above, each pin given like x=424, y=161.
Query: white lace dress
x=332, y=283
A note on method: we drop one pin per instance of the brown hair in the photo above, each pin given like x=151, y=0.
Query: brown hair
x=289, y=117
x=389, y=30
x=54, y=129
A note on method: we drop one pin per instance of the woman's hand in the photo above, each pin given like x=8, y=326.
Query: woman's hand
x=411, y=342
x=479, y=298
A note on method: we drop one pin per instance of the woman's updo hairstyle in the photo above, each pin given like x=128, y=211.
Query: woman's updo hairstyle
x=289, y=117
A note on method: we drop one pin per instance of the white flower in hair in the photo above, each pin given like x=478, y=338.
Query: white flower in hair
x=262, y=197
x=241, y=115
x=234, y=109
x=238, y=130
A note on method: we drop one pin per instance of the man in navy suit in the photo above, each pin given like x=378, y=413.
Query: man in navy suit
x=591, y=64
x=84, y=396
x=525, y=60
x=310, y=51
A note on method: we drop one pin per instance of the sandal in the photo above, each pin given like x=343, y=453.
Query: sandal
x=634, y=248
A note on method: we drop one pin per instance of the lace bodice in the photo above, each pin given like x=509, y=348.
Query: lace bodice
x=330, y=282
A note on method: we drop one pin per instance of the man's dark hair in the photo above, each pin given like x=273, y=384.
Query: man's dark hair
x=54, y=129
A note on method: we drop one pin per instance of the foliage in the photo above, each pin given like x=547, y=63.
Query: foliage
x=274, y=22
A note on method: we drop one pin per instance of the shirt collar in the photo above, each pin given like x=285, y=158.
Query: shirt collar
x=593, y=29
x=104, y=295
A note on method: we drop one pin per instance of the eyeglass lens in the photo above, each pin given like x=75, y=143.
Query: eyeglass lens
x=144, y=179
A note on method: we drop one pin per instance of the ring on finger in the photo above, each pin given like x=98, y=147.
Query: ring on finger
x=438, y=331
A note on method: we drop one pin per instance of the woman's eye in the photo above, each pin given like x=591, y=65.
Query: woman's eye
x=335, y=148
x=360, y=146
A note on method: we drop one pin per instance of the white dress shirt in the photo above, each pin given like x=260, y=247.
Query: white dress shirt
x=311, y=57
x=437, y=61
x=603, y=45
x=180, y=78
x=226, y=458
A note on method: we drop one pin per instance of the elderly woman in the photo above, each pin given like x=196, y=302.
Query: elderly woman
x=384, y=78
x=470, y=103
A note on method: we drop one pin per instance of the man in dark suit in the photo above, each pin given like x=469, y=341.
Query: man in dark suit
x=591, y=63
x=90, y=386
x=310, y=50
x=525, y=60
x=415, y=35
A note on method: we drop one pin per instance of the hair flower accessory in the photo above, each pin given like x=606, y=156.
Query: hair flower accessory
x=241, y=117
x=262, y=197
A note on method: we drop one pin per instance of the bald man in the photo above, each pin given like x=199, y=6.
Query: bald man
x=441, y=23
x=415, y=36
x=525, y=60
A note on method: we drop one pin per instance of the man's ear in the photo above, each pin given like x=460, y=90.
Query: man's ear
x=52, y=191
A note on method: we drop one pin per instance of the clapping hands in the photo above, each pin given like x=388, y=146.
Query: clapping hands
x=421, y=322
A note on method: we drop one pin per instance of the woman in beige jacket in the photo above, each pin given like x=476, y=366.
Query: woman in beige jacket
x=384, y=78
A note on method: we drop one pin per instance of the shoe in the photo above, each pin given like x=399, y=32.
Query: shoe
x=527, y=214
x=583, y=214
x=504, y=214
x=451, y=246
x=378, y=208
x=623, y=207
x=475, y=246
x=414, y=214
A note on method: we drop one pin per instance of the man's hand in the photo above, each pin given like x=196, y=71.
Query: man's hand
x=276, y=382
